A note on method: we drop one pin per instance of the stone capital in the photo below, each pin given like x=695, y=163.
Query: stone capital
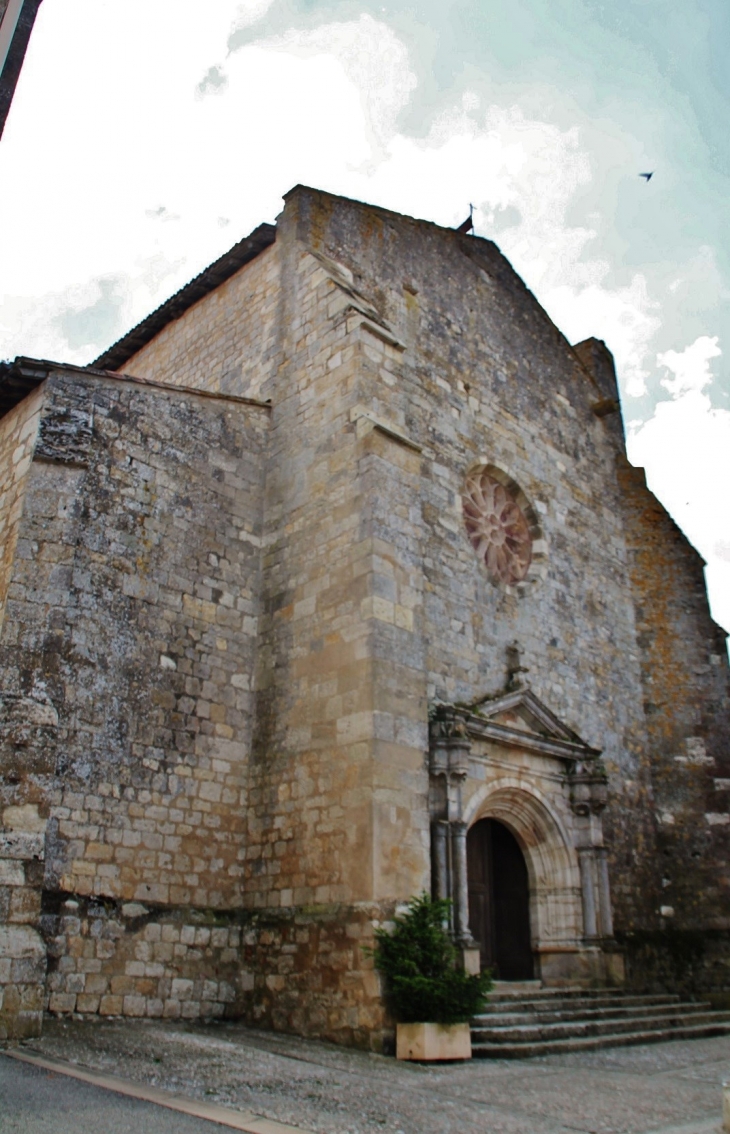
x=588, y=789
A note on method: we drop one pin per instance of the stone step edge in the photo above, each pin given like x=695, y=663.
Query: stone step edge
x=548, y=1001
x=589, y=1015
x=520, y=1003
x=593, y=1043
x=498, y=993
x=526, y=1033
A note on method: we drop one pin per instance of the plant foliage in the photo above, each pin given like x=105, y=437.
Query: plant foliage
x=419, y=961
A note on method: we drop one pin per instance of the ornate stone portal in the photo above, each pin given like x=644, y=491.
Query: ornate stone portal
x=511, y=759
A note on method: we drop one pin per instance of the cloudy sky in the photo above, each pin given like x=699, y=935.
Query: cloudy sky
x=147, y=136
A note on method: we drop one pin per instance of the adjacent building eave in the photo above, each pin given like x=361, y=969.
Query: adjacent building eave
x=204, y=283
x=18, y=379
x=23, y=375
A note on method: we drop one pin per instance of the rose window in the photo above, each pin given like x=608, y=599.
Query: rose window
x=497, y=528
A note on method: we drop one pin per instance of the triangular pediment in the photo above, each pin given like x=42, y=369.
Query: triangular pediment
x=519, y=719
x=523, y=710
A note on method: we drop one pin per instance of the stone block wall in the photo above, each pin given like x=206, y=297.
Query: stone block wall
x=338, y=785
x=26, y=724
x=484, y=377
x=228, y=342
x=128, y=649
x=309, y=971
x=17, y=438
x=320, y=764
x=113, y=958
x=686, y=692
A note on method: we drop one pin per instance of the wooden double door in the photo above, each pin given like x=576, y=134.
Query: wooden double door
x=499, y=900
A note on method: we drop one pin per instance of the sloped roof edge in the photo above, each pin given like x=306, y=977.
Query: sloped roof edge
x=208, y=280
x=24, y=375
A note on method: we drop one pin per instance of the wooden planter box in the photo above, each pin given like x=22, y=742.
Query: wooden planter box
x=430, y=1042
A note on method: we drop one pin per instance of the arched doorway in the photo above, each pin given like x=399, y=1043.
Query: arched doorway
x=499, y=900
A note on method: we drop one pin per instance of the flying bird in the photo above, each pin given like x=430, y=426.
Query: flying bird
x=648, y=176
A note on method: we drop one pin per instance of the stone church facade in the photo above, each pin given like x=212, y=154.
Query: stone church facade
x=330, y=583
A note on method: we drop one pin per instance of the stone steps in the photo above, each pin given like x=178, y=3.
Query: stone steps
x=550, y=1021
x=502, y=995
x=578, y=1029
x=558, y=1007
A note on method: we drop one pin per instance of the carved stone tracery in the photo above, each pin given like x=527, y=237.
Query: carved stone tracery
x=497, y=528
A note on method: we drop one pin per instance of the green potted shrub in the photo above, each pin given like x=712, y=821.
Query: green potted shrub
x=428, y=993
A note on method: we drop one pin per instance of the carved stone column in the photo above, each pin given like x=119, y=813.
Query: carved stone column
x=461, y=884
x=588, y=891
x=588, y=796
x=449, y=755
x=604, y=893
x=440, y=858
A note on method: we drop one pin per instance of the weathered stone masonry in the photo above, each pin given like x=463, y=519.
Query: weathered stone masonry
x=127, y=662
x=243, y=582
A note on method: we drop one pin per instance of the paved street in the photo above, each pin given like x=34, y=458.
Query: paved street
x=33, y=1101
x=673, y=1087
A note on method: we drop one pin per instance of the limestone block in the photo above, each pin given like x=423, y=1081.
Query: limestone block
x=25, y=818
x=11, y=873
x=62, y=1002
x=87, y=1003
x=21, y=942
x=111, y=1005
x=134, y=1005
x=21, y=844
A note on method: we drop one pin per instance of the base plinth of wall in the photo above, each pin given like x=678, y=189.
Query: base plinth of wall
x=22, y=978
x=692, y=962
x=588, y=965
x=305, y=970
x=309, y=971
x=114, y=958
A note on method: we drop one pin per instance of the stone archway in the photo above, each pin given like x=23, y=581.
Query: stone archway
x=510, y=759
x=499, y=900
x=555, y=913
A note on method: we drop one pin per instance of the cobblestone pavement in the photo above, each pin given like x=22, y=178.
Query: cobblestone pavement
x=675, y=1088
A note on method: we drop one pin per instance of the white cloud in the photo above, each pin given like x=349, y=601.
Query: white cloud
x=626, y=318
x=691, y=367
x=145, y=182
x=685, y=449
x=700, y=282
x=249, y=12
x=717, y=574
x=320, y=107
x=373, y=59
